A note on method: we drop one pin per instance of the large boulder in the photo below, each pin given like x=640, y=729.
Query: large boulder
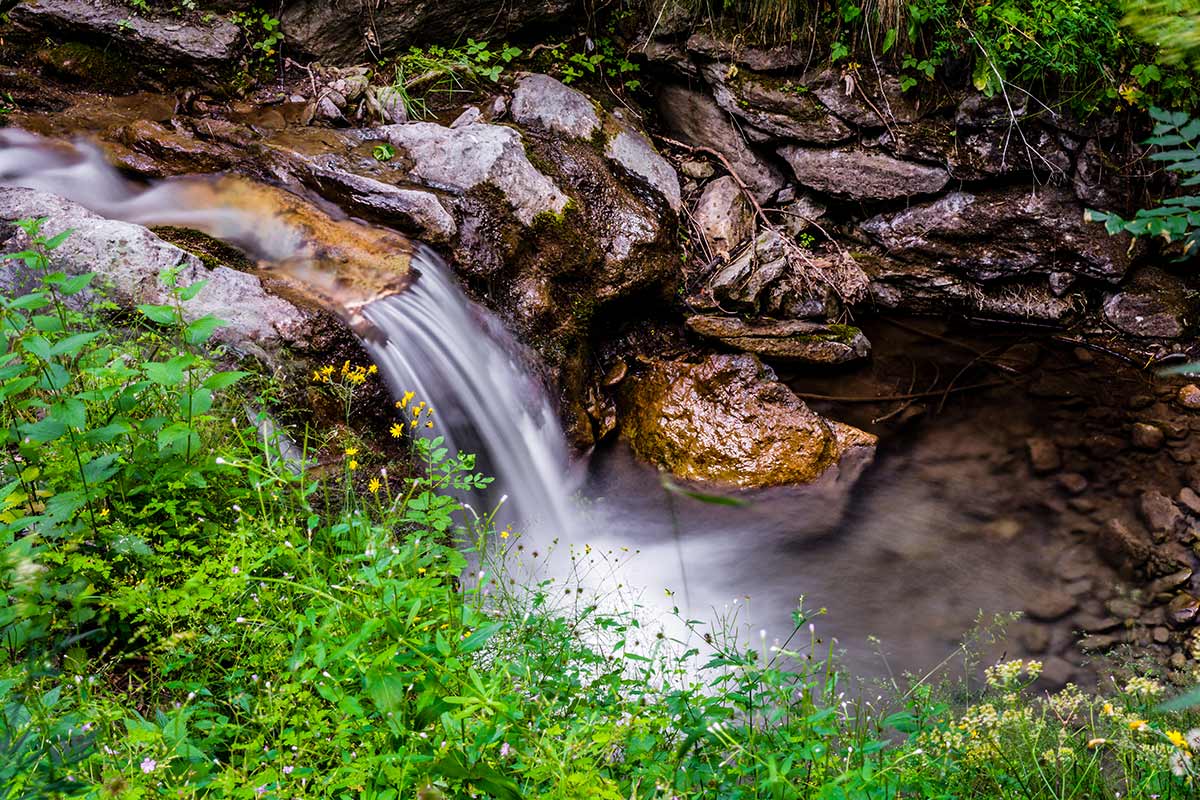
x=546, y=104
x=206, y=44
x=858, y=174
x=129, y=260
x=1002, y=234
x=350, y=31
x=726, y=419
x=1153, y=305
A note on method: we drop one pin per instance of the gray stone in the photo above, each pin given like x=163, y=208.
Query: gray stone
x=696, y=118
x=633, y=152
x=800, y=214
x=546, y=104
x=1158, y=511
x=774, y=106
x=803, y=342
x=978, y=154
x=1123, y=609
x=130, y=259
x=1002, y=234
x=724, y=216
x=208, y=45
x=1190, y=500
x=462, y=159
x=697, y=170
x=1043, y=455
x=470, y=114
x=1154, y=305
x=859, y=174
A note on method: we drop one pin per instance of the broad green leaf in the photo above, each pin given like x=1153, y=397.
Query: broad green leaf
x=223, y=380
x=201, y=330
x=197, y=402
x=101, y=468
x=76, y=284
x=189, y=292
x=73, y=344
x=163, y=315
x=38, y=345
x=42, y=431
x=70, y=412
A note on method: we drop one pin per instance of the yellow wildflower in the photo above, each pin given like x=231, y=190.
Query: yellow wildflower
x=1108, y=710
x=504, y=534
x=353, y=465
x=1094, y=743
x=413, y=424
x=428, y=424
x=351, y=451
x=397, y=429
x=345, y=366
x=420, y=570
x=103, y=513
x=374, y=486
x=371, y=370
x=1178, y=739
x=416, y=412
x=1137, y=724
x=407, y=397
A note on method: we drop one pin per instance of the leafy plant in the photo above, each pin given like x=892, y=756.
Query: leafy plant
x=383, y=152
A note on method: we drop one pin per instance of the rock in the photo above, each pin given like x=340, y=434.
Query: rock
x=351, y=33
x=207, y=46
x=1182, y=610
x=977, y=111
x=1190, y=500
x=1001, y=234
x=129, y=259
x=724, y=216
x=178, y=152
x=696, y=118
x=761, y=57
x=1097, y=643
x=697, y=170
x=1005, y=529
x=1090, y=623
x=1158, y=512
x=1122, y=547
x=633, y=152
x=1161, y=635
x=1050, y=605
x=411, y=210
x=1057, y=671
x=1035, y=639
x=1072, y=482
x=860, y=100
x=775, y=106
x=800, y=214
x=1099, y=181
x=971, y=155
x=803, y=342
x=1043, y=455
x=1153, y=305
x=545, y=104
x=470, y=115
x=1147, y=437
x=1103, y=445
x=728, y=420
x=1123, y=609
x=1169, y=582
x=476, y=156
x=859, y=174
x=1189, y=396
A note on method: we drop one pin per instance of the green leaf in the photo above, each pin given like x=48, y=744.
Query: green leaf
x=38, y=345
x=57, y=239
x=479, y=638
x=70, y=412
x=189, y=292
x=101, y=468
x=76, y=284
x=46, y=323
x=223, y=380
x=386, y=689
x=197, y=402
x=169, y=373
x=889, y=39
x=703, y=497
x=163, y=315
x=73, y=344
x=202, y=329
x=46, y=430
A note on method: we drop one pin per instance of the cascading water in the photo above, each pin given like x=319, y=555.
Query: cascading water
x=428, y=339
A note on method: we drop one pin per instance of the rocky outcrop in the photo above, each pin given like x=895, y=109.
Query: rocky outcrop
x=727, y=420
x=793, y=340
x=129, y=260
x=207, y=45
x=545, y=104
x=1154, y=305
x=350, y=32
x=858, y=174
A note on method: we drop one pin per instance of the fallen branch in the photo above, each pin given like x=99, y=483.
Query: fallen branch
x=888, y=398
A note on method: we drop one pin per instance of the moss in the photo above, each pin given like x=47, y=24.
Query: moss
x=212, y=252
x=87, y=64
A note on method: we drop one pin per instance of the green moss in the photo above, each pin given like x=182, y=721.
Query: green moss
x=212, y=252
x=88, y=64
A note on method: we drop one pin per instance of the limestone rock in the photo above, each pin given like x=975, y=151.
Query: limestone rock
x=1147, y=437
x=207, y=45
x=803, y=342
x=411, y=210
x=633, y=152
x=724, y=216
x=860, y=174
x=473, y=156
x=1001, y=234
x=543, y=103
x=728, y=420
x=696, y=118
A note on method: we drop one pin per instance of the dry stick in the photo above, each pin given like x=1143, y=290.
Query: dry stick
x=887, y=398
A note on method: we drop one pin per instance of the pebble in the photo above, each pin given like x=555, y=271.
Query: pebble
x=1168, y=582
x=1123, y=608
x=1079, y=588
x=1182, y=610
x=1147, y=436
x=1051, y=605
x=1190, y=500
x=1158, y=511
x=697, y=169
x=1099, y=642
x=1072, y=482
x=1103, y=445
x=1162, y=635
x=1140, y=401
x=1090, y=623
x=1082, y=504
x=1005, y=529
x=1189, y=396
x=1043, y=455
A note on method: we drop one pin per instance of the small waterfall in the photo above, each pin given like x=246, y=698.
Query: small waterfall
x=452, y=353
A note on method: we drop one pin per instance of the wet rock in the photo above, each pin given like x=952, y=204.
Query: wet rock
x=411, y=210
x=1099, y=181
x=859, y=174
x=1190, y=500
x=1182, y=610
x=1072, y=482
x=1168, y=582
x=1103, y=445
x=1005, y=529
x=724, y=216
x=803, y=342
x=1153, y=305
x=1122, y=547
x=1123, y=609
x=1035, y=639
x=173, y=152
x=861, y=101
x=1002, y=234
x=971, y=155
x=351, y=33
x=799, y=215
x=1050, y=605
x=474, y=156
x=205, y=45
x=1158, y=512
x=1090, y=623
x=726, y=419
x=1161, y=635
x=1098, y=643
x=763, y=58
x=1189, y=396
x=543, y=103
x=633, y=152
x=130, y=259
x=697, y=170
x=1147, y=437
x=775, y=106
x=698, y=120
x=1043, y=455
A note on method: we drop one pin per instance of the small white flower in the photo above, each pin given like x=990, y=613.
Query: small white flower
x=149, y=765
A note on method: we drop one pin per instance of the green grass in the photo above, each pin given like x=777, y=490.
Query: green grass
x=186, y=613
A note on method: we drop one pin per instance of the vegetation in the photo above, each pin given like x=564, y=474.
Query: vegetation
x=189, y=612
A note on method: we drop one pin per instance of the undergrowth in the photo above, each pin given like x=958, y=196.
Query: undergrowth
x=194, y=607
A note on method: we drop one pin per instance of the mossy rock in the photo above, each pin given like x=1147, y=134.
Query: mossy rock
x=93, y=66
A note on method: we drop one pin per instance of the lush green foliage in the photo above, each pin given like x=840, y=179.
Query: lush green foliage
x=189, y=613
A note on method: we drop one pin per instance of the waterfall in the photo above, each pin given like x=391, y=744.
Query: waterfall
x=450, y=352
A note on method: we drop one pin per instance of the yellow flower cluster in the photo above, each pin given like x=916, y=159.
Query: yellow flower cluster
x=351, y=374
x=417, y=410
x=1143, y=687
x=975, y=737
x=1005, y=674
x=1059, y=755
